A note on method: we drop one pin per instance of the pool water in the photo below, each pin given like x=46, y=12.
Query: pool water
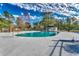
x=37, y=34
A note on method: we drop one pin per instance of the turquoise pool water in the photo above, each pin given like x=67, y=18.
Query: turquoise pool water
x=37, y=34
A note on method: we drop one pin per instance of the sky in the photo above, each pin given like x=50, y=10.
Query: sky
x=36, y=15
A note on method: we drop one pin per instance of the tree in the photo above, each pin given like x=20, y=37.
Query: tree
x=69, y=25
x=4, y=23
x=48, y=20
x=9, y=19
x=59, y=24
x=8, y=16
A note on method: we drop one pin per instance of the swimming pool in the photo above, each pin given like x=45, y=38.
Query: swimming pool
x=37, y=34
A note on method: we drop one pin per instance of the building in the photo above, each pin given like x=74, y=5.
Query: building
x=20, y=23
x=51, y=28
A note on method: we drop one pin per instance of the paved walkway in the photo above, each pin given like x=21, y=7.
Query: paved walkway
x=45, y=46
x=64, y=49
x=16, y=46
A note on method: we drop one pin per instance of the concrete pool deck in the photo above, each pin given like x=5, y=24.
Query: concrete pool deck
x=29, y=46
x=17, y=46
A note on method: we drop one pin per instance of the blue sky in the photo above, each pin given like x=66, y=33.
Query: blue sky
x=35, y=16
x=15, y=10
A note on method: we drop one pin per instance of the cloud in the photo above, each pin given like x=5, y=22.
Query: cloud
x=35, y=17
x=16, y=15
x=1, y=4
x=66, y=9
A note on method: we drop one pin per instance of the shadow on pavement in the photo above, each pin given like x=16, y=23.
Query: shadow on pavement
x=72, y=49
